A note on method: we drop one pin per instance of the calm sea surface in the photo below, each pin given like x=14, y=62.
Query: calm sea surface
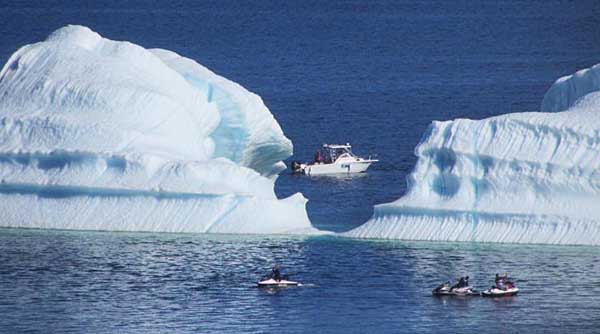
x=372, y=73
x=92, y=282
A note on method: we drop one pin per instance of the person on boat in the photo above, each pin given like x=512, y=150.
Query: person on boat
x=275, y=273
x=318, y=158
x=467, y=281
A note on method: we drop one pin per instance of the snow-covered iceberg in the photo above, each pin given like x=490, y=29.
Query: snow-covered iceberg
x=520, y=178
x=106, y=135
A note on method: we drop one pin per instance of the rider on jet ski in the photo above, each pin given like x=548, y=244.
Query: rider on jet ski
x=503, y=283
x=462, y=282
x=275, y=273
x=500, y=278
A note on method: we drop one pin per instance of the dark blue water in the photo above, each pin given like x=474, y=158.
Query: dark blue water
x=373, y=73
x=91, y=282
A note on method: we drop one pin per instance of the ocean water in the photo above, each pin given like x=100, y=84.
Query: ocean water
x=92, y=282
x=372, y=73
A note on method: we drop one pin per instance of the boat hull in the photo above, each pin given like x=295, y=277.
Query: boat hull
x=341, y=168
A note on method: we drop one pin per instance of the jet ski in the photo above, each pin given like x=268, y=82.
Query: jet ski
x=504, y=287
x=465, y=291
x=445, y=289
x=442, y=289
x=495, y=292
x=273, y=283
x=276, y=280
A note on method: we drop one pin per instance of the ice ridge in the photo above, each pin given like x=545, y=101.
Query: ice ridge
x=516, y=178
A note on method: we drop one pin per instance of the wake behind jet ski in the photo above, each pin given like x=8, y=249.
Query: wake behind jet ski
x=276, y=280
x=504, y=287
x=461, y=288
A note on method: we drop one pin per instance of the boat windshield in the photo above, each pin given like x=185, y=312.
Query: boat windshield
x=330, y=154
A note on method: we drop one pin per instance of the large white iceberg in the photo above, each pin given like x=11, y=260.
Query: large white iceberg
x=520, y=178
x=106, y=135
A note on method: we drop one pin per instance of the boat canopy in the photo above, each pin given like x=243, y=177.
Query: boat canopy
x=330, y=152
x=335, y=146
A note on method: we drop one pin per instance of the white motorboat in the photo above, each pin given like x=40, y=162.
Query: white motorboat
x=334, y=159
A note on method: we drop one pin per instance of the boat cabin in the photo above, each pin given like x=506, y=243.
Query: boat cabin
x=331, y=153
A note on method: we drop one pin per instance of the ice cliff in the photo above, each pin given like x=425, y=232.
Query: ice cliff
x=519, y=178
x=106, y=135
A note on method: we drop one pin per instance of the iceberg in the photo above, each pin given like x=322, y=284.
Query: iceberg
x=566, y=91
x=98, y=134
x=529, y=177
